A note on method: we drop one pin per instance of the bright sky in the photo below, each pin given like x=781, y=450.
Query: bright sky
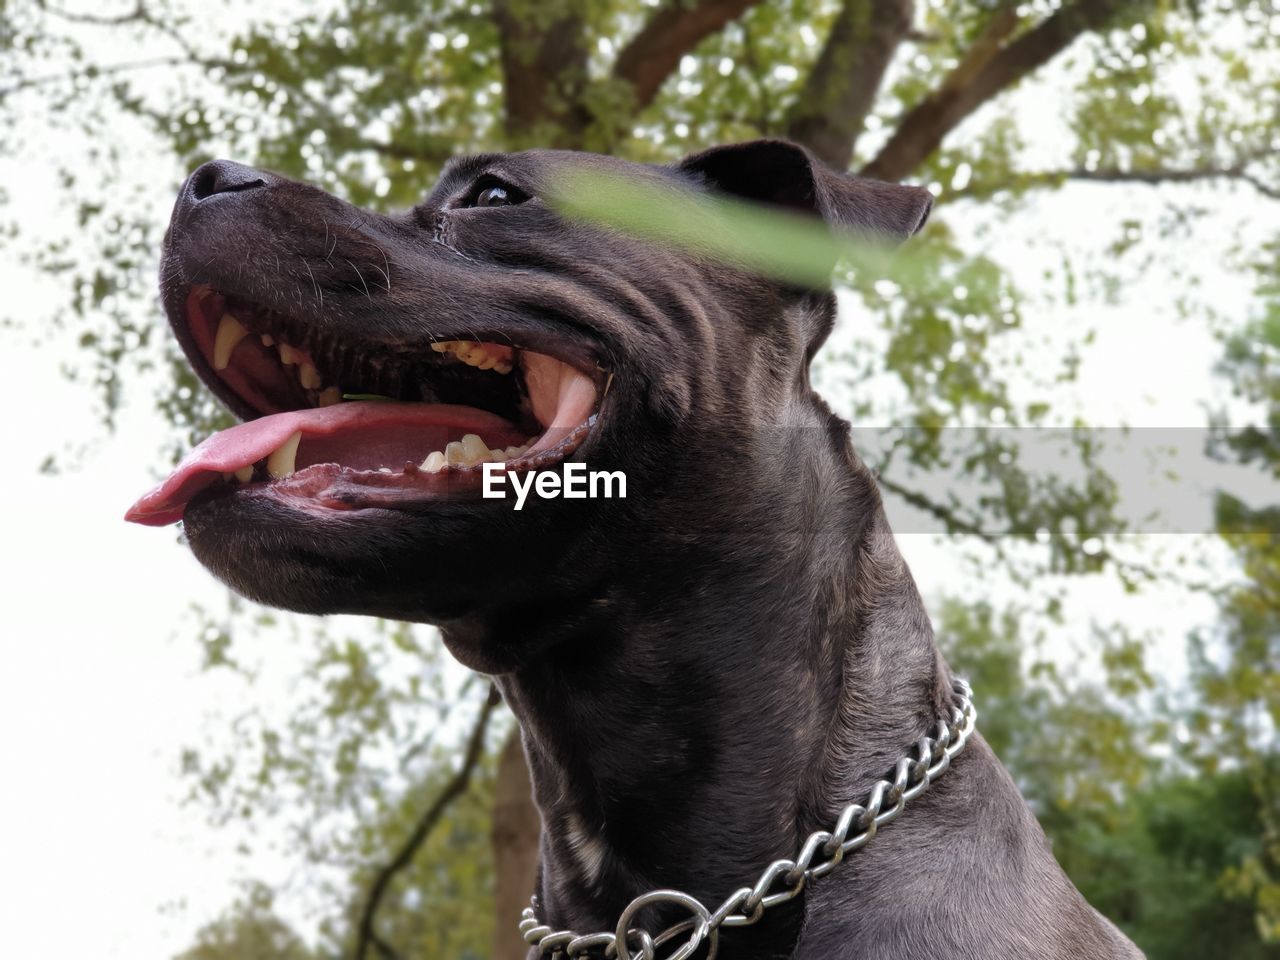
x=100, y=690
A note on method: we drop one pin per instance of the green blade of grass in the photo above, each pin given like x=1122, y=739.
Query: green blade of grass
x=366, y=396
x=766, y=240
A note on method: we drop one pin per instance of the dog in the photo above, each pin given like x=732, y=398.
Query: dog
x=706, y=670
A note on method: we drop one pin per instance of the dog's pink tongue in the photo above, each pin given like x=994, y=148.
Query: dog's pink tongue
x=561, y=396
x=247, y=443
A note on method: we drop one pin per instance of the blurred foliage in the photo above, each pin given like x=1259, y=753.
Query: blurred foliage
x=250, y=930
x=1179, y=850
x=1162, y=803
x=342, y=779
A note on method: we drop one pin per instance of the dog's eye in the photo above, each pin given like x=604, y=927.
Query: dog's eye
x=496, y=195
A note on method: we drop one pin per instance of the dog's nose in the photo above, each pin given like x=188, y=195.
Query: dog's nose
x=223, y=176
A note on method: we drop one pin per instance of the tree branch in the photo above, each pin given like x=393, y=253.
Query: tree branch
x=671, y=32
x=92, y=73
x=985, y=71
x=1004, y=20
x=456, y=787
x=1192, y=175
x=950, y=518
x=1154, y=177
x=841, y=88
x=141, y=14
x=138, y=14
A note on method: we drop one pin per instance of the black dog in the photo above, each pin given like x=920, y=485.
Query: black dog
x=705, y=671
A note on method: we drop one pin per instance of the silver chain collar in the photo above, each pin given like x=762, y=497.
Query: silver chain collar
x=821, y=853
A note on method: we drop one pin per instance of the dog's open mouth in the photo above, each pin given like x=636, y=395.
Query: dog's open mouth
x=348, y=425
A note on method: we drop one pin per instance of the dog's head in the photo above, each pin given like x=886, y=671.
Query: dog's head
x=379, y=361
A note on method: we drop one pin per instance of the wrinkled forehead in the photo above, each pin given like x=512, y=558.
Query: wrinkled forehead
x=534, y=171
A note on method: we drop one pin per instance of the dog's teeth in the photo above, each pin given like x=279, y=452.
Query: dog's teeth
x=456, y=454
x=309, y=376
x=474, y=449
x=384, y=469
x=281, y=463
x=467, y=452
x=475, y=354
x=268, y=340
x=453, y=454
x=290, y=355
x=230, y=332
x=245, y=473
x=329, y=396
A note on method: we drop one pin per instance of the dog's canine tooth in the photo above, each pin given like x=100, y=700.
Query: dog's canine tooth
x=268, y=340
x=441, y=346
x=245, y=473
x=454, y=454
x=281, y=463
x=329, y=396
x=230, y=332
x=309, y=376
x=434, y=463
x=474, y=449
x=466, y=452
x=290, y=354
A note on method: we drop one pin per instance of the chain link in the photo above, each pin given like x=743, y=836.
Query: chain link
x=782, y=880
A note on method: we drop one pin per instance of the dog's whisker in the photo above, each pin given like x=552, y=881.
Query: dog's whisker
x=362, y=281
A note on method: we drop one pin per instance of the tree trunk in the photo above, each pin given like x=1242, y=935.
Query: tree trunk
x=544, y=71
x=841, y=89
x=516, y=828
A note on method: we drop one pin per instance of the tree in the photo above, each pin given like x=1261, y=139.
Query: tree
x=1182, y=859
x=250, y=930
x=369, y=100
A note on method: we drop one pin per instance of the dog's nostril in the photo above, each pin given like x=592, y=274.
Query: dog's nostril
x=223, y=176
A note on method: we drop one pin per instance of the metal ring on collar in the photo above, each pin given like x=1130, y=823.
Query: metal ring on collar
x=701, y=915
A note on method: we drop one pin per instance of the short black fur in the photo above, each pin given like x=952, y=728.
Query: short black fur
x=705, y=671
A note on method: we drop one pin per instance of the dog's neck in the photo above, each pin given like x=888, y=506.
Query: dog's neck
x=705, y=714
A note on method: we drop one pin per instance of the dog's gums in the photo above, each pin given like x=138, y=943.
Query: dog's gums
x=380, y=361
x=439, y=413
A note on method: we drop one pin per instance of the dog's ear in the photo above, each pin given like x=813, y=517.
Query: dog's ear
x=787, y=175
